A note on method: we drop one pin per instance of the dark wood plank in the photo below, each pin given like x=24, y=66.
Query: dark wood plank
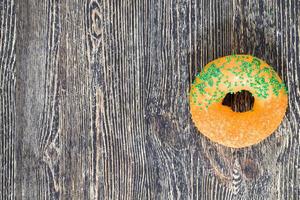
x=78, y=149
x=7, y=99
x=184, y=164
x=118, y=63
x=101, y=108
x=38, y=40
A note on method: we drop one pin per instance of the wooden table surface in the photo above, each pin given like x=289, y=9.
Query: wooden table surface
x=94, y=99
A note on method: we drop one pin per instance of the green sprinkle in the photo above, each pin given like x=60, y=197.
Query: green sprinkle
x=256, y=61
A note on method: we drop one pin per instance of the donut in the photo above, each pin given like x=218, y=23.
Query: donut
x=233, y=76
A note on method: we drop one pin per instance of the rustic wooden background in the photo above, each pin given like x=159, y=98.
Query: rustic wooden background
x=94, y=99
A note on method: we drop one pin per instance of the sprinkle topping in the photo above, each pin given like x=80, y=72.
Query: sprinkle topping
x=221, y=77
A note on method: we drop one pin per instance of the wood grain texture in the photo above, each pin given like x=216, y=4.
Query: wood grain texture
x=7, y=99
x=38, y=39
x=94, y=99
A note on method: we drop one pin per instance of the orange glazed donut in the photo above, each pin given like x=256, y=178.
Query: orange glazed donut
x=232, y=74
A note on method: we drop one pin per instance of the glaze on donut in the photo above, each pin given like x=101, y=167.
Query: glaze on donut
x=232, y=74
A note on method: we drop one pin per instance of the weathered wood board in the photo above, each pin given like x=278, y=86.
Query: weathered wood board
x=94, y=99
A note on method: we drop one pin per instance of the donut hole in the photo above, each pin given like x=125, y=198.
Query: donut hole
x=242, y=101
